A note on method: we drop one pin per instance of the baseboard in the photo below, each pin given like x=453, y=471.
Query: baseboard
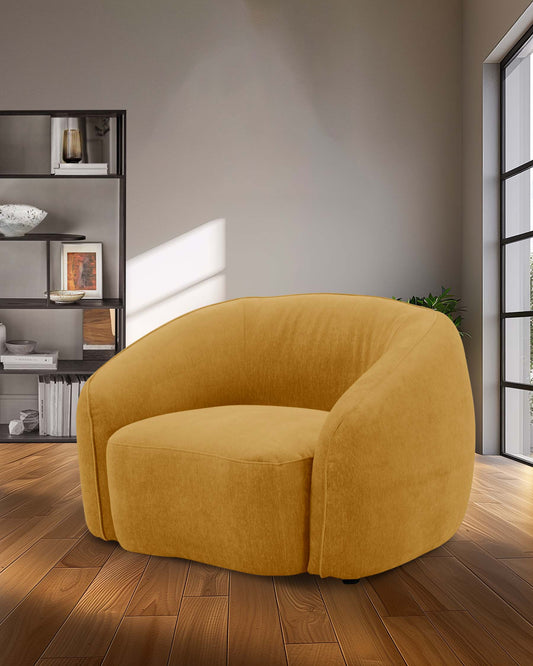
x=11, y=405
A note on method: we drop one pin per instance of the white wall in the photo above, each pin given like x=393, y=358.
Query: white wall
x=490, y=28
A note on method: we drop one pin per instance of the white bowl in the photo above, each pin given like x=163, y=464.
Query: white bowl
x=66, y=296
x=18, y=219
x=20, y=346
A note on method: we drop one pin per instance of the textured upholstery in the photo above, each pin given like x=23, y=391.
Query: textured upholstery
x=236, y=479
x=392, y=456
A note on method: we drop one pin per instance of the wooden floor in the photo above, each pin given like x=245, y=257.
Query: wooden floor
x=68, y=599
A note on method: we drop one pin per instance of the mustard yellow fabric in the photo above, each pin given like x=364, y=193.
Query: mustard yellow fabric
x=236, y=480
x=393, y=460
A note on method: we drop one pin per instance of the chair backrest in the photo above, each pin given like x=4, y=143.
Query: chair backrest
x=307, y=350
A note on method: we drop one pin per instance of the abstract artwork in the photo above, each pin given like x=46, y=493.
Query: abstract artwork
x=81, y=268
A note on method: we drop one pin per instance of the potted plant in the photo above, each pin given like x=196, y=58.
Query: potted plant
x=444, y=302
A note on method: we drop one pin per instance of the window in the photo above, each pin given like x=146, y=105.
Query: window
x=517, y=250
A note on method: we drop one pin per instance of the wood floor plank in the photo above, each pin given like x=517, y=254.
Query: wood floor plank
x=20, y=450
x=362, y=636
x=72, y=527
x=93, y=622
x=467, y=638
x=18, y=579
x=70, y=661
x=390, y=595
x=497, y=536
x=7, y=525
x=441, y=551
x=315, y=654
x=142, y=641
x=89, y=551
x=303, y=615
x=428, y=595
x=161, y=587
x=506, y=583
x=523, y=566
x=506, y=626
x=205, y=580
x=254, y=631
x=202, y=633
x=22, y=538
x=25, y=633
x=419, y=642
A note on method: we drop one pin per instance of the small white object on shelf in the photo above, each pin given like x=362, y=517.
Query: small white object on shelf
x=66, y=296
x=18, y=219
x=16, y=427
x=20, y=347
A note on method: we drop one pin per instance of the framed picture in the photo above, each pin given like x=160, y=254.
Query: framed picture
x=81, y=268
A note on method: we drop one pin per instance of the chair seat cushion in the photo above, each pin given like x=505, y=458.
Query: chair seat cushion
x=227, y=485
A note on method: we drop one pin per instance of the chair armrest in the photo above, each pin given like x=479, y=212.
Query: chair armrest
x=191, y=362
x=393, y=468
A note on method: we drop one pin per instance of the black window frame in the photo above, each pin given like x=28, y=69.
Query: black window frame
x=504, y=242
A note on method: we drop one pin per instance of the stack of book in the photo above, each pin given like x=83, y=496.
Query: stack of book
x=58, y=401
x=46, y=360
x=79, y=169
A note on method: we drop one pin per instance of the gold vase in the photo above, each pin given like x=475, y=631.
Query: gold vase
x=71, y=146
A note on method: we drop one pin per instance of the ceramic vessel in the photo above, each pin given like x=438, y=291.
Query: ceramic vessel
x=16, y=427
x=19, y=219
x=20, y=346
x=66, y=296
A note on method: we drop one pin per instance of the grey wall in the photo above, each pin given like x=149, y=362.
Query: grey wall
x=326, y=134
x=489, y=31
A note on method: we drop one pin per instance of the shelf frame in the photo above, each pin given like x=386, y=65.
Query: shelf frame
x=80, y=367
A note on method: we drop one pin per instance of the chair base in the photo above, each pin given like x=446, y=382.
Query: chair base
x=351, y=581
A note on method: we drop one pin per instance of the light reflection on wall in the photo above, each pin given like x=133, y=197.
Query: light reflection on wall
x=175, y=277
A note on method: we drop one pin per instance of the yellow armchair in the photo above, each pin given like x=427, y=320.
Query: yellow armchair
x=325, y=433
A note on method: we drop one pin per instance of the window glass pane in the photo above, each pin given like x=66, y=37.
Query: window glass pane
x=517, y=77
x=518, y=276
x=518, y=208
x=518, y=423
x=518, y=358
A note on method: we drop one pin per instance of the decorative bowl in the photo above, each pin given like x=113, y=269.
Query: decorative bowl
x=19, y=219
x=66, y=296
x=20, y=346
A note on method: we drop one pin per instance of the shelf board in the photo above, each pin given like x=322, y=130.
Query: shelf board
x=29, y=437
x=45, y=237
x=43, y=304
x=73, y=367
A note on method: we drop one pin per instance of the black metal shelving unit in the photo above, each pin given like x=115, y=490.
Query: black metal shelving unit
x=73, y=366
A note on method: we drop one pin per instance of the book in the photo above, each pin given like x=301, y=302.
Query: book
x=67, y=395
x=48, y=357
x=81, y=170
x=51, y=407
x=75, y=393
x=30, y=366
x=66, y=166
x=46, y=414
x=59, y=405
x=40, y=400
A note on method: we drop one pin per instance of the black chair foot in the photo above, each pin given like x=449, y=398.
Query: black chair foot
x=351, y=581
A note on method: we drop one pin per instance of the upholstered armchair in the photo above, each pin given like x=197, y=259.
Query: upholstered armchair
x=325, y=433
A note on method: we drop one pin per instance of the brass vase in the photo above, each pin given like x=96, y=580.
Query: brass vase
x=72, y=146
